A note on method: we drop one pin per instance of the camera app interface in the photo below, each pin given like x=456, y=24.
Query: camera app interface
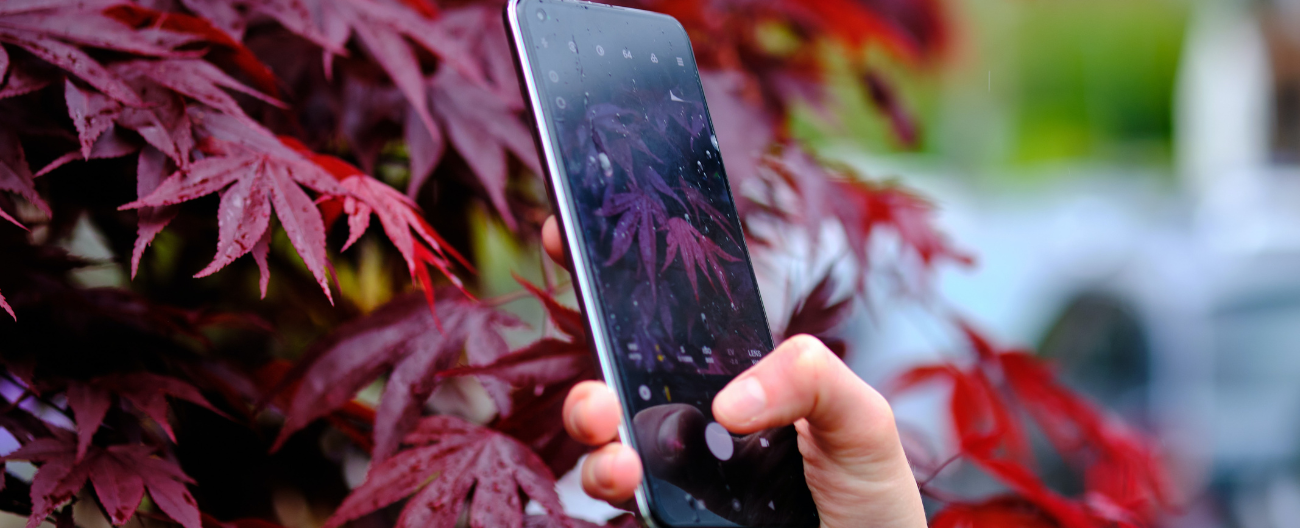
x=680, y=304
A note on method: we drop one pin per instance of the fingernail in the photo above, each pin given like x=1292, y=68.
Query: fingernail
x=742, y=401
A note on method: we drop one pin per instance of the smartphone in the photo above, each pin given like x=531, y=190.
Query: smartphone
x=658, y=257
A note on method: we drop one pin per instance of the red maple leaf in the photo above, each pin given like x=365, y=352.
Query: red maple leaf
x=142, y=18
x=400, y=337
x=16, y=175
x=55, y=31
x=1011, y=512
x=120, y=475
x=258, y=174
x=819, y=312
x=146, y=392
x=398, y=215
x=386, y=31
x=483, y=128
x=541, y=375
x=448, y=463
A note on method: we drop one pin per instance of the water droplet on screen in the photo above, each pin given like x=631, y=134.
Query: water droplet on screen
x=605, y=165
x=555, y=77
x=702, y=318
x=771, y=505
x=538, y=390
x=763, y=442
x=735, y=504
x=627, y=53
x=644, y=391
x=573, y=46
x=654, y=59
x=700, y=164
x=600, y=50
x=560, y=103
x=714, y=140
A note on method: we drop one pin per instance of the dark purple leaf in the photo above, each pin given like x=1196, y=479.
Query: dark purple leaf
x=464, y=461
x=697, y=251
x=92, y=113
x=403, y=337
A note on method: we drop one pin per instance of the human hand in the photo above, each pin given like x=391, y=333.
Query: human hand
x=852, y=457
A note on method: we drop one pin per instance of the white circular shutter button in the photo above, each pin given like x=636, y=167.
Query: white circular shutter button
x=719, y=441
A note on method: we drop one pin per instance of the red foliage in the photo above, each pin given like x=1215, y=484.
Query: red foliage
x=120, y=474
x=1124, y=480
x=461, y=458
x=172, y=85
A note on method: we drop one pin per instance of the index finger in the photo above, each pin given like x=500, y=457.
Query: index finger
x=552, y=242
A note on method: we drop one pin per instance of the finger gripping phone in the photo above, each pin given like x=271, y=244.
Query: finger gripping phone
x=658, y=256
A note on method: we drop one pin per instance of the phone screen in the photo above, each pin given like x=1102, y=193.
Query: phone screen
x=618, y=93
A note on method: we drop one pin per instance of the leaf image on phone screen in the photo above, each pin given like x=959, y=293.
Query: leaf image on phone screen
x=650, y=192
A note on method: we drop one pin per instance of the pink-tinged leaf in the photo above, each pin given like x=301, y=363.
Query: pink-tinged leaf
x=204, y=177
x=110, y=144
x=21, y=81
x=197, y=79
x=3, y=303
x=166, y=484
x=697, y=251
x=91, y=112
x=150, y=171
x=15, y=174
x=75, y=61
x=243, y=218
x=400, y=336
x=259, y=251
x=459, y=457
x=163, y=122
x=482, y=128
x=118, y=487
x=301, y=221
x=426, y=146
x=148, y=394
x=397, y=214
x=392, y=52
x=223, y=16
x=119, y=475
x=91, y=27
x=89, y=406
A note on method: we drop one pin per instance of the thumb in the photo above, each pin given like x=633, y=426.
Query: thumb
x=849, y=421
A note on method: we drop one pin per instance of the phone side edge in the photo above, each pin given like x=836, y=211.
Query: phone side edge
x=567, y=222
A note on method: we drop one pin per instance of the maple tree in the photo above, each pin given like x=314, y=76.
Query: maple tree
x=296, y=121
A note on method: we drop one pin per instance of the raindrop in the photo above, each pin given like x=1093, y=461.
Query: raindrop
x=600, y=50
x=627, y=53
x=559, y=102
x=555, y=77
x=573, y=46
x=714, y=140
x=644, y=391
x=763, y=442
x=698, y=163
x=606, y=166
x=735, y=504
